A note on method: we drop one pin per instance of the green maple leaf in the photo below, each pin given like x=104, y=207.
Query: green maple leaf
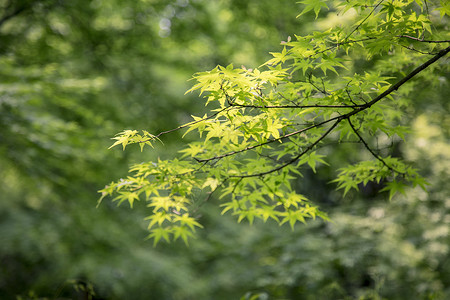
x=315, y=5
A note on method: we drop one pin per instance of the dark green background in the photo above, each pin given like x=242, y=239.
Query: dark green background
x=74, y=73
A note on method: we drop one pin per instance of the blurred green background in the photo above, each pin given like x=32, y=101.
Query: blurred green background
x=74, y=73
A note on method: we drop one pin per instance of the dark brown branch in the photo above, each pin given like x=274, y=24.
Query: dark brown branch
x=401, y=82
x=422, y=40
x=418, y=51
x=184, y=126
x=365, y=19
x=337, y=44
x=269, y=141
x=296, y=106
x=288, y=100
x=323, y=91
x=296, y=158
x=378, y=157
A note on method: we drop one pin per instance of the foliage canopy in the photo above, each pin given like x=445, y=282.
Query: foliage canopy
x=269, y=125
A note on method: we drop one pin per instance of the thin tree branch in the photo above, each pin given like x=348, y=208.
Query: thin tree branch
x=184, y=125
x=370, y=149
x=268, y=142
x=405, y=79
x=288, y=100
x=421, y=40
x=415, y=50
x=337, y=44
x=296, y=106
x=312, y=145
x=365, y=19
x=323, y=91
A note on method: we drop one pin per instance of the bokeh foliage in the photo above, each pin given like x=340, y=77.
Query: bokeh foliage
x=74, y=73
